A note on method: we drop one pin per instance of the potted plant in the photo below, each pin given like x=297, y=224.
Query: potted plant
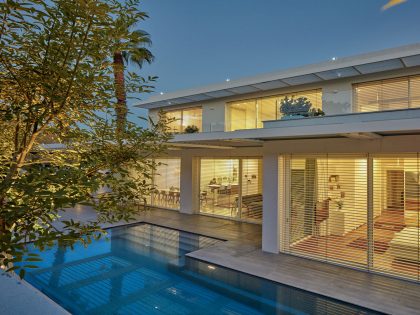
x=294, y=108
x=316, y=112
x=191, y=129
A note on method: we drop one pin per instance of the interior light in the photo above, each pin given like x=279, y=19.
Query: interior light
x=211, y=267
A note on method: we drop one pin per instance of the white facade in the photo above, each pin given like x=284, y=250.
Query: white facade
x=367, y=155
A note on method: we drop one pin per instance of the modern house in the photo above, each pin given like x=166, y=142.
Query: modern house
x=343, y=188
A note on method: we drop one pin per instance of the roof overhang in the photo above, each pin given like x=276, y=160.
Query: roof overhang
x=361, y=126
x=385, y=60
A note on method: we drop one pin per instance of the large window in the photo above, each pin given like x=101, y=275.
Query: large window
x=166, y=180
x=231, y=188
x=185, y=117
x=326, y=214
x=250, y=114
x=390, y=94
x=329, y=214
x=396, y=233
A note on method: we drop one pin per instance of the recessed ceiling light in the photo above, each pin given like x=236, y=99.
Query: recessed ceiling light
x=334, y=58
x=161, y=93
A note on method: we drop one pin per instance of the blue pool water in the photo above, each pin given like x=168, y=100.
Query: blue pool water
x=142, y=269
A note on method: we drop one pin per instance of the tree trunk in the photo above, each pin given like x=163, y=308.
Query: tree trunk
x=120, y=93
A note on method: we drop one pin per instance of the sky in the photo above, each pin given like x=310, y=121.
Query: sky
x=199, y=42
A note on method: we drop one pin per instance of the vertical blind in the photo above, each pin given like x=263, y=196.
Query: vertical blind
x=326, y=213
x=390, y=94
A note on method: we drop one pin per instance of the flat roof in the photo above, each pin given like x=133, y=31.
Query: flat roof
x=373, y=62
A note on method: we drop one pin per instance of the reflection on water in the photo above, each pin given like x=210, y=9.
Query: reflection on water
x=142, y=269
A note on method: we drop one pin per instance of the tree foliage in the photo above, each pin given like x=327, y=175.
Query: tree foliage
x=58, y=145
x=130, y=45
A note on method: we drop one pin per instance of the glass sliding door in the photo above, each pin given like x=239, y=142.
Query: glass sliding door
x=327, y=214
x=251, y=188
x=232, y=188
x=166, y=180
x=251, y=114
x=219, y=187
x=396, y=233
x=326, y=211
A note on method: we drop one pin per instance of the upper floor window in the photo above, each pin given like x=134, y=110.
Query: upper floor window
x=184, y=118
x=389, y=94
x=250, y=114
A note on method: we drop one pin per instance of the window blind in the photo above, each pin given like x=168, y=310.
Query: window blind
x=390, y=94
x=396, y=196
x=326, y=215
x=342, y=209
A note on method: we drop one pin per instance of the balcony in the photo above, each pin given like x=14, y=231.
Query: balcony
x=369, y=125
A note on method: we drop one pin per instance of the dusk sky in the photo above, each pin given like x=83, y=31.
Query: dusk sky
x=198, y=42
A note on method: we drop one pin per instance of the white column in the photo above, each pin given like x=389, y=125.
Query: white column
x=189, y=202
x=271, y=222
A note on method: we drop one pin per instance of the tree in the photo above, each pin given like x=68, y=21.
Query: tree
x=128, y=46
x=56, y=87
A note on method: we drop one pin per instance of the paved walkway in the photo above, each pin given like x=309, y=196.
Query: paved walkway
x=242, y=252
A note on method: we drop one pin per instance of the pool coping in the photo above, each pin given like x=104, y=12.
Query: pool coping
x=191, y=255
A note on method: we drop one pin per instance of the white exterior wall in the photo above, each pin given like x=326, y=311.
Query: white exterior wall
x=271, y=219
x=337, y=98
x=213, y=116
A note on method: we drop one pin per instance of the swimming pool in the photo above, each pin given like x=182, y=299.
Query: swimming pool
x=142, y=269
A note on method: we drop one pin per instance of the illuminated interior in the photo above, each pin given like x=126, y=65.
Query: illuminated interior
x=231, y=188
x=390, y=94
x=183, y=118
x=250, y=114
x=166, y=180
x=326, y=215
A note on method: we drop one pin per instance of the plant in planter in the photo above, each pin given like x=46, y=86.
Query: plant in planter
x=191, y=129
x=295, y=108
x=316, y=112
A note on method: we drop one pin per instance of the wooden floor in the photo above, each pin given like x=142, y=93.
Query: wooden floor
x=225, y=206
x=351, y=248
x=242, y=252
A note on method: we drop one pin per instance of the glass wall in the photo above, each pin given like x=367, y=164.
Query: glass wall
x=184, y=118
x=250, y=114
x=327, y=213
x=231, y=188
x=390, y=94
x=396, y=198
x=166, y=180
x=219, y=186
